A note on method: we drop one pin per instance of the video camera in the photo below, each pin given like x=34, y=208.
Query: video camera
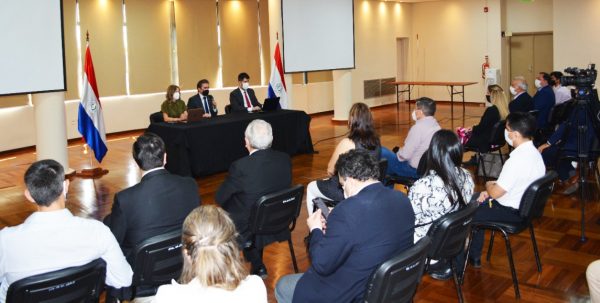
x=583, y=79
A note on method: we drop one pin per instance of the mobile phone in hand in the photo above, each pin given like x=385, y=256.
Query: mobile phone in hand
x=320, y=203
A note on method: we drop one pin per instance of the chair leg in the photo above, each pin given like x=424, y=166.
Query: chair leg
x=293, y=255
x=501, y=158
x=480, y=162
x=489, y=252
x=457, y=282
x=512, y=264
x=535, y=249
x=464, y=265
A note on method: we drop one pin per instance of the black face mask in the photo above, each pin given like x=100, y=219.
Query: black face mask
x=552, y=82
x=487, y=98
x=205, y=92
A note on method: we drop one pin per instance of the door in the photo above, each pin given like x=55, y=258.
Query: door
x=529, y=55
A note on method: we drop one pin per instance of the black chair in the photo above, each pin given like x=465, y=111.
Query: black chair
x=448, y=236
x=397, y=279
x=228, y=109
x=74, y=284
x=409, y=181
x=156, y=117
x=156, y=261
x=496, y=143
x=383, y=163
x=532, y=206
x=276, y=213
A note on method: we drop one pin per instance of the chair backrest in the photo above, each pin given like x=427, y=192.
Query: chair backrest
x=74, y=284
x=396, y=280
x=157, y=260
x=156, y=117
x=227, y=108
x=383, y=164
x=277, y=211
x=449, y=232
x=536, y=195
x=422, y=166
x=497, y=134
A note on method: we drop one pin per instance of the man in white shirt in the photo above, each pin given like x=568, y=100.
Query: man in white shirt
x=52, y=238
x=502, y=198
x=562, y=94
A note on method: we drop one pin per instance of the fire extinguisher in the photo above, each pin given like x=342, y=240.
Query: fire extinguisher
x=485, y=66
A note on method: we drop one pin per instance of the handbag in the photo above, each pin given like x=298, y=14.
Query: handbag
x=492, y=163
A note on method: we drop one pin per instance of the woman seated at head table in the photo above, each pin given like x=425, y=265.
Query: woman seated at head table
x=173, y=109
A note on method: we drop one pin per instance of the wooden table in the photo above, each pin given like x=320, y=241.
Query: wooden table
x=451, y=85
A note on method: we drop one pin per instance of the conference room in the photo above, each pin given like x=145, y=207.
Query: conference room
x=320, y=58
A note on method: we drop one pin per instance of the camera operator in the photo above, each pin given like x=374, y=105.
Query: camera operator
x=561, y=94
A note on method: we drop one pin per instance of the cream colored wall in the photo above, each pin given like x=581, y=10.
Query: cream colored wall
x=452, y=38
x=533, y=16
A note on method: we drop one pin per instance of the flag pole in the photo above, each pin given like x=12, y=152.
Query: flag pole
x=92, y=172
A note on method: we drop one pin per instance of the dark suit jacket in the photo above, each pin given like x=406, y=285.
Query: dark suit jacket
x=480, y=138
x=261, y=173
x=156, y=205
x=196, y=102
x=523, y=103
x=543, y=101
x=363, y=231
x=236, y=99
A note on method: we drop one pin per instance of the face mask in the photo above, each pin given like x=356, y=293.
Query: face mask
x=508, y=140
x=488, y=98
x=538, y=83
x=413, y=115
x=245, y=85
x=552, y=82
x=176, y=96
x=205, y=92
x=513, y=91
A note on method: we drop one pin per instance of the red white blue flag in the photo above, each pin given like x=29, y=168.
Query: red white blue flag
x=277, y=86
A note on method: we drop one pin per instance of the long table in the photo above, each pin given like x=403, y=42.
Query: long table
x=451, y=85
x=209, y=146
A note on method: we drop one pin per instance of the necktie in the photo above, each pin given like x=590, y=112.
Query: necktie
x=205, y=104
x=248, y=104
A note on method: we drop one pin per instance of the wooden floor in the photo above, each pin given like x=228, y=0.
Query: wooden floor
x=564, y=257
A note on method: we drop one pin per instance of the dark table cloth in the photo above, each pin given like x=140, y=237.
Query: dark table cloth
x=209, y=146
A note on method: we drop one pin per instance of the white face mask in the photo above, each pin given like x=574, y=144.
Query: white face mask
x=513, y=91
x=508, y=140
x=245, y=85
x=538, y=83
x=176, y=96
x=413, y=115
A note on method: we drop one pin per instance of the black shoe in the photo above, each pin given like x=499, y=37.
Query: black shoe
x=475, y=262
x=442, y=274
x=396, y=149
x=261, y=271
x=471, y=162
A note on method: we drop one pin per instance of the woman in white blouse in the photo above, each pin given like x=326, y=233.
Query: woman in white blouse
x=213, y=270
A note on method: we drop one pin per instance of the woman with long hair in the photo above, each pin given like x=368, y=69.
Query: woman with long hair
x=362, y=135
x=213, y=270
x=173, y=108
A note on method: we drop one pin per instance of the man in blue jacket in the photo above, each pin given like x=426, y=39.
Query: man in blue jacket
x=372, y=225
x=543, y=100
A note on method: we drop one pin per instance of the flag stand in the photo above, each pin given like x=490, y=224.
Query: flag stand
x=91, y=173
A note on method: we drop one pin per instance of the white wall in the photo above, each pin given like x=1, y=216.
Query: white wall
x=533, y=16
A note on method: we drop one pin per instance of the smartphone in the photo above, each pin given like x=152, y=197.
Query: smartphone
x=320, y=203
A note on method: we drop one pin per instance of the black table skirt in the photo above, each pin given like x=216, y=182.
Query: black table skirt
x=209, y=146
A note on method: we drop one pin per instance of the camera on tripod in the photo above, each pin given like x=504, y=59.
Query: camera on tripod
x=582, y=79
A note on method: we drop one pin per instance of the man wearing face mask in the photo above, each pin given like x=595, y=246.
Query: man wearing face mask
x=561, y=94
x=243, y=99
x=373, y=224
x=543, y=100
x=502, y=198
x=406, y=160
x=522, y=101
x=203, y=100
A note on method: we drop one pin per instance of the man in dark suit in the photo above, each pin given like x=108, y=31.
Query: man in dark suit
x=372, y=225
x=203, y=100
x=243, y=99
x=543, y=100
x=522, y=101
x=263, y=172
x=156, y=205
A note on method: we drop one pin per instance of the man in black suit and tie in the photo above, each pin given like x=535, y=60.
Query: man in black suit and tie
x=522, y=101
x=203, y=100
x=243, y=99
x=373, y=224
x=156, y=205
x=262, y=172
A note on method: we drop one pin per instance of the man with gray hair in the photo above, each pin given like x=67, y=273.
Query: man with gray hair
x=262, y=172
x=522, y=101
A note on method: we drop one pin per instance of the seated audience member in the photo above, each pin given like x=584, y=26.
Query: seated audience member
x=561, y=94
x=156, y=205
x=203, y=100
x=263, y=171
x=362, y=135
x=496, y=111
x=592, y=275
x=502, y=198
x=173, y=109
x=52, y=238
x=444, y=189
x=543, y=100
x=243, y=99
x=373, y=224
x=406, y=160
x=213, y=270
x=522, y=101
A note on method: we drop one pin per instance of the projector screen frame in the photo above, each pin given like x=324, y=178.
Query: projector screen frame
x=64, y=63
x=320, y=70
